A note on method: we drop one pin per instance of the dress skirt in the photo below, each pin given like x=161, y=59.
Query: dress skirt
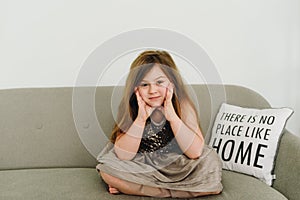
x=173, y=172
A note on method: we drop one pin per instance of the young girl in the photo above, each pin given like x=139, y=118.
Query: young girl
x=157, y=146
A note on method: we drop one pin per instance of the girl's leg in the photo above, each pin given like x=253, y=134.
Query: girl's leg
x=130, y=188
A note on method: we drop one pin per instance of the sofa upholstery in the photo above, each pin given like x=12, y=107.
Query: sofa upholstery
x=42, y=155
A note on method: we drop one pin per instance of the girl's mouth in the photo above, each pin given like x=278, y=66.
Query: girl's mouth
x=154, y=98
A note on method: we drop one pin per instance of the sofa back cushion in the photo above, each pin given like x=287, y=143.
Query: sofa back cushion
x=67, y=127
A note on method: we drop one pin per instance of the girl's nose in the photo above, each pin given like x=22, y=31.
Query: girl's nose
x=152, y=88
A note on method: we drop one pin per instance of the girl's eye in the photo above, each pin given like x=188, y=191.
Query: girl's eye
x=160, y=82
x=144, y=85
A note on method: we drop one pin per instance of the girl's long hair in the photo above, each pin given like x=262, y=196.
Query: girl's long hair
x=128, y=108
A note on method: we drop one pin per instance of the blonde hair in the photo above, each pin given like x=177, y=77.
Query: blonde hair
x=128, y=108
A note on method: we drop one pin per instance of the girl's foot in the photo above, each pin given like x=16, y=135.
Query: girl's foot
x=113, y=190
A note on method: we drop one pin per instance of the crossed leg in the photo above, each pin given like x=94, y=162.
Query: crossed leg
x=117, y=185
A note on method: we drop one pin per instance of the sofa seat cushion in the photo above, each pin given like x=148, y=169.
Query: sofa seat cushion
x=84, y=183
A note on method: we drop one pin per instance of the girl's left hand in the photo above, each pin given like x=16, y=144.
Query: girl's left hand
x=169, y=110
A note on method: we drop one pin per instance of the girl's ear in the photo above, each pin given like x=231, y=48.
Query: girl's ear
x=136, y=90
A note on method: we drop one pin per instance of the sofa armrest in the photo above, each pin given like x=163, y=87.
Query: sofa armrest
x=287, y=167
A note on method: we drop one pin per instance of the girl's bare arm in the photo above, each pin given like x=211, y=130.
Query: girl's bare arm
x=187, y=132
x=127, y=144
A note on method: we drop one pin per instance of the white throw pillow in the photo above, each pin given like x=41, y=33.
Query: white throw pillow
x=246, y=139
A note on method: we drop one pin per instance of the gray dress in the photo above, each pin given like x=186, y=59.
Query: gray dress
x=161, y=164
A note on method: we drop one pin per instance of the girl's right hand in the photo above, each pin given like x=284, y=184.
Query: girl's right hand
x=144, y=109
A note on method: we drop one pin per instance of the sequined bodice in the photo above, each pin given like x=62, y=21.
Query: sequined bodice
x=158, y=138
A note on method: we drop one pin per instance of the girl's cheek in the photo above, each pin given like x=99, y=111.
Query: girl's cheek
x=142, y=95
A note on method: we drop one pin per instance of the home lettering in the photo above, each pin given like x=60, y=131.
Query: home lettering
x=243, y=152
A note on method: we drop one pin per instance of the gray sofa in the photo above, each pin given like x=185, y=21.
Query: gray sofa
x=43, y=157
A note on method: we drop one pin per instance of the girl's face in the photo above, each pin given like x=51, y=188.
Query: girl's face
x=153, y=87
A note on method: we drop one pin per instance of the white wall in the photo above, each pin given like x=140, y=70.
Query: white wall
x=252, y=43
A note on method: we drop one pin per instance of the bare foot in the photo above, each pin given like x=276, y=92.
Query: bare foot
x=113, y=190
